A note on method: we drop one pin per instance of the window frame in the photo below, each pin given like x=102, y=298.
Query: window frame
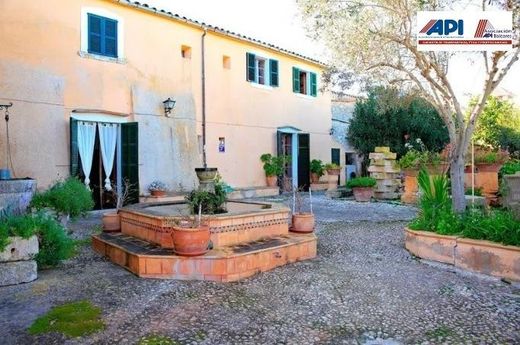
x=266, y=68
x=308, y=82
x=84, y=44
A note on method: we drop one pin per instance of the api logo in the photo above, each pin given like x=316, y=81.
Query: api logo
x=443, y=27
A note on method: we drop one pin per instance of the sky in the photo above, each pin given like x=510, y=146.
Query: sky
x=278, y=22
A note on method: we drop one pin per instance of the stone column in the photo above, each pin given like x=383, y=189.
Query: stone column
x=383, y=167
x=17, y=263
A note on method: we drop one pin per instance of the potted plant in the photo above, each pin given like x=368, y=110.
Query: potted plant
x=489, y=160
x=363, y=188
x=302, y=222
x=190, y=236
x=317, y=170
x=333, y=169
x=111, y=220
x=273, y=167
x=157, y=188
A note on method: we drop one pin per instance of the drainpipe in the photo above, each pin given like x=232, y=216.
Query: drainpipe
x=205, y=164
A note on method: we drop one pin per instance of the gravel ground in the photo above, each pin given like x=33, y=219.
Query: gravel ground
x=363, y=288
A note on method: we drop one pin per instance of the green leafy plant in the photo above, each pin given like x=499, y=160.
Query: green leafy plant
x=54, y=244
x=211, y=203
x=485, y=155
x=331, y=166
x=317, y=167
x=414, y=159
x=70, y=197
x=71, y=319
x=361, y=182
x=510, y=168
x=477, y=191
x=274, y=165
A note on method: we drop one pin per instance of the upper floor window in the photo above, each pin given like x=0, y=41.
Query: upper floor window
x=102, y=35
x=261, y=70
x=304, y=82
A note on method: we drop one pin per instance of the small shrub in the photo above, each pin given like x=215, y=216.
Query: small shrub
x=415, y=159
x=70, y=197
x=71, y=319
x=510, y=168
x=329, y=166
x=211, y=202
x=478, y=191
x=317, y=167
x=361, y=182
x=54, y=244
x=274, y=165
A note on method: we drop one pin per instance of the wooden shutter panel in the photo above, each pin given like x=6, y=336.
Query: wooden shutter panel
x=296, y=79
x=74, y=152
x=250, y=67
x=314, y=86
x=110, y=37
x=273, y=71
x=130, y=158
x=94, y=34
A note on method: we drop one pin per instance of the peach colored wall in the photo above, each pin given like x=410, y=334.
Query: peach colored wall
x=42, y=73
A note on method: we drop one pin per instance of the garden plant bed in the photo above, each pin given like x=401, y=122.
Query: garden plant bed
x=474, y=255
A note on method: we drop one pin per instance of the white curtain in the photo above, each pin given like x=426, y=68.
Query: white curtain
x=108, y=140
x=86, y=137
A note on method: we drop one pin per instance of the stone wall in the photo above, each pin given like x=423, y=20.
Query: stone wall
x=16, y=195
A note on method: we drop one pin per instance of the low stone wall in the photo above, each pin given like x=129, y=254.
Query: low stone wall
x=17, y=263
x=16, y=195
x=474, y=255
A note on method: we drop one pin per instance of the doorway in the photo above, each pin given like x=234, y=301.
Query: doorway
x=124, y=163
x=291, y=141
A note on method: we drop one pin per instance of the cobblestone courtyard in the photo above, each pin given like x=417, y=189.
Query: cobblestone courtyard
x=363, y=288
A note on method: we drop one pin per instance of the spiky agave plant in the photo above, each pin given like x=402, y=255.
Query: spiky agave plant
x=435, y=197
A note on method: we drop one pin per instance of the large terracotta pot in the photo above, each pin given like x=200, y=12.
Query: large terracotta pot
x=334, y=172
x=487, y=167
x=302, y=222
x=271, y=181
x=158, y=193
x=363, y=194
x=411, y=188
x=191, y=241
x=315, y=178
x=111, y=222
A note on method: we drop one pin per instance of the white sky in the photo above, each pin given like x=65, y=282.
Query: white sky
x=278, y=22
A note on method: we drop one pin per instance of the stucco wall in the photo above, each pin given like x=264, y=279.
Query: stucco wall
x=45, y=77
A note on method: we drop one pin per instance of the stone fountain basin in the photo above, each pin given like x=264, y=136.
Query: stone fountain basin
x=244, y=222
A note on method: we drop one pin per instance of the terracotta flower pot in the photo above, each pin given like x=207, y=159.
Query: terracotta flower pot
x=271, y=180
x=191, y=241
x=411, y=172
x=483, y=167
x=363, y=194
x=111, y=222
x=315, y=178
x=302, y=222
x=158, y=193
x=334, y=172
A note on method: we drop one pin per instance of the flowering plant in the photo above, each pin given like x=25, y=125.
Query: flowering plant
x=157, y=186
x=418, y=155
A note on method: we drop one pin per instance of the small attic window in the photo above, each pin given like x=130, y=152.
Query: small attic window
x=226, y=62
x=186, y=52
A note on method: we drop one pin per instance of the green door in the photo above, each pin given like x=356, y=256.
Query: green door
x=130, y=158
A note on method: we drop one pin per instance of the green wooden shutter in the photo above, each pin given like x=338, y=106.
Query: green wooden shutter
x=95, y=34
x=130, y=158
x=314, y=86
x=273, y=71
x=74, y=152
x=110, y=37
x=296, y=79
x=250, y=67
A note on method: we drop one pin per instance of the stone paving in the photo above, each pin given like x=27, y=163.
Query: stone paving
x=364, y=288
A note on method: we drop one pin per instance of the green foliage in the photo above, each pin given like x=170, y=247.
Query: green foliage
x=72, y=319
x=317, y=167
x=361, y=182
x=510, y=168
x=485, y=155
x=54, y=243
x=386, y=116
x=414, y=159
x=69, y=197
x=478, y=191
x=212, y=203
x=499, y=125
x=274, y=165
x=157, y=340
x=436, y=215
x=330, y=166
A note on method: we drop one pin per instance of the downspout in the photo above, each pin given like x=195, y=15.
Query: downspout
x=205, y=164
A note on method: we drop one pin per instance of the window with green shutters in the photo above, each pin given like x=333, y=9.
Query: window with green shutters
x=102, y=36
x=304, y=82
x=261, y=70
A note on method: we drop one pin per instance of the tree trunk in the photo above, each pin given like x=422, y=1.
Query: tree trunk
x=457, y=183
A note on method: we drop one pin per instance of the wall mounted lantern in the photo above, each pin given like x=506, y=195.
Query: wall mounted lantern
x=169, y=104
x=331, y=131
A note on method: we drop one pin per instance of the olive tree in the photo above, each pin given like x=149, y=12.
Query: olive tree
x=377, y=38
